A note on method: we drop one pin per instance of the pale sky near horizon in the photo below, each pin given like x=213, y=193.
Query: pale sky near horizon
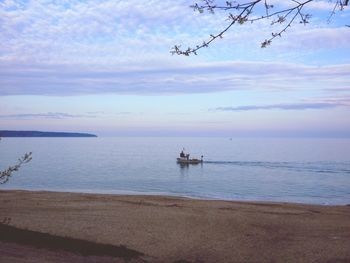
x=105, y=67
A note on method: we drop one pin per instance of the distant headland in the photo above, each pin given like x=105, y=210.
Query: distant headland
x=43, y=134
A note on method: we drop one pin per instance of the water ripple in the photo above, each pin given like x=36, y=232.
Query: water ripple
x=315, y=167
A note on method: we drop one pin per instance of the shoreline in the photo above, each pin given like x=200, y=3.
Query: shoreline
x=171, y=229
x=170, y=195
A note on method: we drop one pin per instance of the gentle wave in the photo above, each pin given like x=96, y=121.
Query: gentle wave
x=316, y=167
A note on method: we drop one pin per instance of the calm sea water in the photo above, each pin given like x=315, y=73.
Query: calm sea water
x=293, y=170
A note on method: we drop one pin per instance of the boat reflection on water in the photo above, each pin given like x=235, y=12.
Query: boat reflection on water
x=185, y=164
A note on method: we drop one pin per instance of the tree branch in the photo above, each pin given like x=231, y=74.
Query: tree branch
x=244, y=12
x=6, y=174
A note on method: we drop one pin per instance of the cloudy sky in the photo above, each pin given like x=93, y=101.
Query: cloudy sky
x=105, y=67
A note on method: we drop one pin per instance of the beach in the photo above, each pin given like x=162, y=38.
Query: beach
x=136, y=228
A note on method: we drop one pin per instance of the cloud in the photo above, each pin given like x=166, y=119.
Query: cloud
x=94, y=31
x=48, y=115
x=336, y=100
x=314, y=5
x=64, y=48
x=295, y=106
x=53, y=80
x=317, y=38
x=117, y=32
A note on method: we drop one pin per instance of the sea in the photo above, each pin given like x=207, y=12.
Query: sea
x=296, y=170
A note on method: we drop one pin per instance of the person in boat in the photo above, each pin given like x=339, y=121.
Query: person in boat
x=182, y=154
x=188, y=156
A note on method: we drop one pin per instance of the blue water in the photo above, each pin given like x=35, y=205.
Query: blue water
x=313, y=171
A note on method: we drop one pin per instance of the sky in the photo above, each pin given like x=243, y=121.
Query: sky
x=105, y=67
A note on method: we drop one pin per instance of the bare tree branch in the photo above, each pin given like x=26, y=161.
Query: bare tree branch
x=6, y=174
x=244, y=14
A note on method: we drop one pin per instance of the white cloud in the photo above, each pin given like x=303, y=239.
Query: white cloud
x=338, y=100
x=317, y=38
x=315, y=103
x=47, y=115
x=196, y=78
x=100, y=32
x=323, y=5
x=88, y=47
x=286, y=106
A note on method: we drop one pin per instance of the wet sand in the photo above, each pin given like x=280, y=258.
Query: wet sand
x=71, y=227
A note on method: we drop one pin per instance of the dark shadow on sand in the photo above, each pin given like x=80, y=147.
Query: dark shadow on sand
x=43, y=240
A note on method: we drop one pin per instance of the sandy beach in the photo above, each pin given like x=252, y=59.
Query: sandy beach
x=72, y=227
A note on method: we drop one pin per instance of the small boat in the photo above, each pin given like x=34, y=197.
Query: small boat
x=184, y=160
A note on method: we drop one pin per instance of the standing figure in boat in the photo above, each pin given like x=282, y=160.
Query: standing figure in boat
x=183, y=155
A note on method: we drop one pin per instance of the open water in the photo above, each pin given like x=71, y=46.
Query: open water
x=315, y=171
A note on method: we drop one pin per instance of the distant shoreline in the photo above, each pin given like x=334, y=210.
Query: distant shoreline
x=8, y=133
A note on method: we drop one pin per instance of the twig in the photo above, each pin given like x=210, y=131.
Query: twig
x=6, y=174
x=243, y=16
